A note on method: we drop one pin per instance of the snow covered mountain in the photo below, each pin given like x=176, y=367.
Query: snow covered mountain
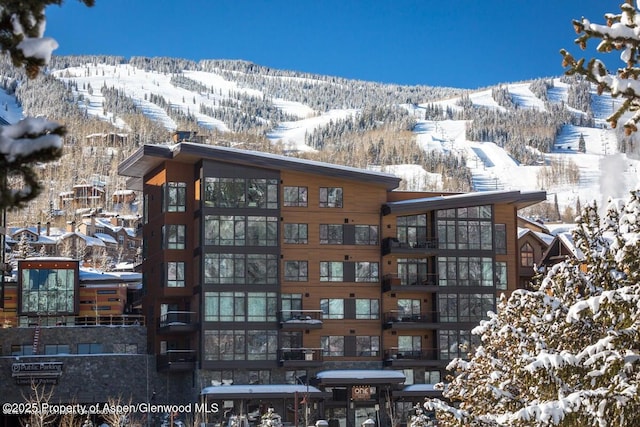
x=288, y=107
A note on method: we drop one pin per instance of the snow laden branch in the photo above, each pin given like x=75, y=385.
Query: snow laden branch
x=620, y=33
x=567, y=352
x=28, y=142
x=31, y=141
x=22, y=26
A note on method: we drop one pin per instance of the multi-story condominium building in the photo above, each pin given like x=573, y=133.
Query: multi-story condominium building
x=292, y=276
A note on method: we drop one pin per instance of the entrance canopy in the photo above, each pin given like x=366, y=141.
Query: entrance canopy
x=418, y=390
x=261, y=391
x=360, y=376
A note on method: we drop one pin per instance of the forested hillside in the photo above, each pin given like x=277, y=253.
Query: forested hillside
x=237, y=103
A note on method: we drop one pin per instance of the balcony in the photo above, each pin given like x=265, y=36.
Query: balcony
x=427, y=282
x=177, y=322
x=300, y=357
x=397, y=319
x=300, y=319
x=391, y=245
x=407, y=358
x=176, y=361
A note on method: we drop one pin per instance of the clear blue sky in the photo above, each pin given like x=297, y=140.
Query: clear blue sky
x=465, y=44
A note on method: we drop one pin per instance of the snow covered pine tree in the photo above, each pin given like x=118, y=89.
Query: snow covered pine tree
x=566, y=354
x=32, y=140
x=620, y=33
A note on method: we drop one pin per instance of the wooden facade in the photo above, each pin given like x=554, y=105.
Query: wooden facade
x=351, y=290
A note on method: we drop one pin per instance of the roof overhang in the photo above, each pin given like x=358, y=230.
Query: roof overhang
x=149, y=157
x=262, y=391
x=518, y=199
x=418, y=390
x=360, y=376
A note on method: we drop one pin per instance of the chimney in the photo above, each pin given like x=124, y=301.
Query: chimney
x=39, y=228
x=48, y=228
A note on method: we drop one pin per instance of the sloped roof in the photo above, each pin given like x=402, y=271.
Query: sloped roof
x=148, y=157
x=106, y=238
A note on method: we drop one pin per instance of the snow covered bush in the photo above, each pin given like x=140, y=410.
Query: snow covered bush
x=568, y=352
x=621, y=32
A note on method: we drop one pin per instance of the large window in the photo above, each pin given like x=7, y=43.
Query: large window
x=175, y=274
x=412, y=229
x=332, y=308
x=296, y=233
x=408, y=307
x=456, y=343
x=468, y=228
x=262, y=231
x=331, y=234
x=366, y=234
x=240, y=268
x=296, y=271
x=262, y=306
x=500, y=236
x=224, y=230
x=332, y=345
x=240, y=345
x=367, y=271
x=295, y=196
x=465, y=307
x=410, y=344
x=240, y=230
x=331, y=271
x=48, y=291
x=413, y=271
x=241, y=193
x=174, y=236
x=465, y=271
x=367, y=309
x=291, y=305
x=225, y=307
x=175, y=197
x=330, y=197
x=367, y=346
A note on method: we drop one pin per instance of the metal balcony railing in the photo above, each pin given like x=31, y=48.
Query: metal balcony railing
x=177, y=318
x=400, y=316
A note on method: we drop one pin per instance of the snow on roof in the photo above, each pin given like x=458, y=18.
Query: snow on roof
x=367, y=375
x=106, y=238
x=567, y=239
x=547, y=238
x=419, y=387
x=90, y=241
x=260, y=390
x=93, y=275
x=544, y=237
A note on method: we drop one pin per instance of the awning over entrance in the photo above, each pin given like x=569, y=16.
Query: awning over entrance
x=261, y=391
x=418, y=390
x=360, y=376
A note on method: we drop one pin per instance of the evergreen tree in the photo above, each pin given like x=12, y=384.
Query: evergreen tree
x=620, y=33
x=582, y=145
x=31, y=140
x=566, y=353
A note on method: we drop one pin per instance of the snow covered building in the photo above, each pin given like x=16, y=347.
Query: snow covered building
x=263, y=269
